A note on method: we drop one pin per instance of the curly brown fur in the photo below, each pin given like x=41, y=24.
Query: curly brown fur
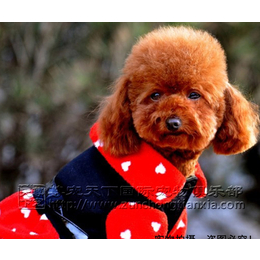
x=162, y=73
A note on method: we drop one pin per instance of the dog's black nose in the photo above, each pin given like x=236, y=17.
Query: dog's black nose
x=173, y=123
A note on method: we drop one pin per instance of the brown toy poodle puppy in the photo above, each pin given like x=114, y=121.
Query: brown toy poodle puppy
x=174, y=93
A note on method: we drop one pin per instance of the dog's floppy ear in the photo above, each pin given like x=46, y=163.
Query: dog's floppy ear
x=116, y=129
x=239, y=129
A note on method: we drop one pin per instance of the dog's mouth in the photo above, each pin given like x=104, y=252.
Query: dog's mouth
x=177, y=133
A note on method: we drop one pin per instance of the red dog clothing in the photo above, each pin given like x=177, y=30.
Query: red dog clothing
x=99, y=196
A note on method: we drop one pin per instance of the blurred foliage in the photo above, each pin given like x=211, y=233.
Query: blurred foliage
x=53, y=75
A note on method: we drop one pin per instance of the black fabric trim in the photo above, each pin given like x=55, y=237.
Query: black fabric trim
x=88, y=188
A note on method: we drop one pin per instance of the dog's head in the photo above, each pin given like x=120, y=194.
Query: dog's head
x=174, y=94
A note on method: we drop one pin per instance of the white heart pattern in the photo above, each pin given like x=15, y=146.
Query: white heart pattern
x=43, y=217
x=98, y=143
x=180, y=225
x=156, y=226
x=126, y=234
x=160, y=169
x=160, y=196
x=33, y=234
x=26, y=212
x=125, y=166
x=27, y=196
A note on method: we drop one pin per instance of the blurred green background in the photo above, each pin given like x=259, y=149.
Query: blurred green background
x=52, y=77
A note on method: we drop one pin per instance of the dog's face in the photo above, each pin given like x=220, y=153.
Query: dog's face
x=176, y=91
x=174, y=94
x=179, y=117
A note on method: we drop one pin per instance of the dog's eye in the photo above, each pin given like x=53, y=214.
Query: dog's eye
x=155, y=96
x=194, y=95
